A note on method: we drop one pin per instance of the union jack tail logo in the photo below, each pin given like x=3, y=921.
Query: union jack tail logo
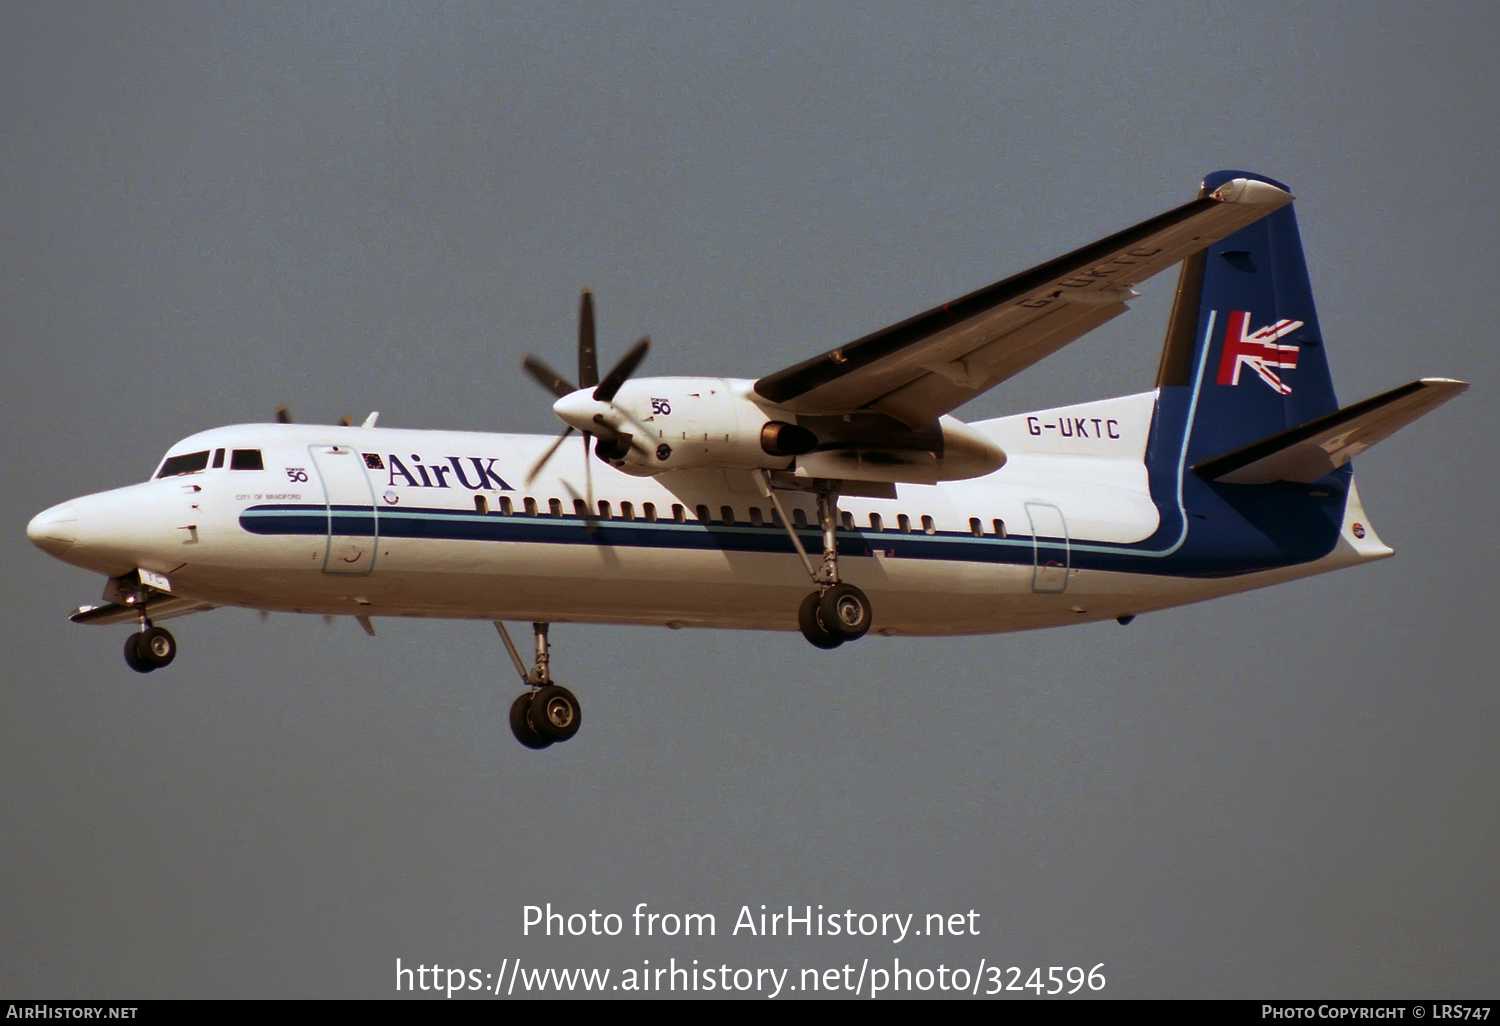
x=1257, y=350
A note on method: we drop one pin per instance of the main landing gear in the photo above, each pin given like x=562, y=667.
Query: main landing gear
x=548, y=713
x=834, y=615
x=150, y=649
x=836, y=612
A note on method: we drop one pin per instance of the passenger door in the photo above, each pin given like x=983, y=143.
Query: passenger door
x=1050, y=550
x=353, y=520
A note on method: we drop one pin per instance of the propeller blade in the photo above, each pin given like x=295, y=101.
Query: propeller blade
x=588, y=357
x=622, y=370
x=613, y=443
x=282, y=416
x=616, y=429
x=588, y=468
x=590, y=516
x=537, y=469
x=549, y=378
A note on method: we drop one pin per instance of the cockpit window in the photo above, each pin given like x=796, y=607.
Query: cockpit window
x=246, y=459
x=187, y=463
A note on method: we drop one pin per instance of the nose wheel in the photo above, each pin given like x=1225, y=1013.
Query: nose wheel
x=149, y=650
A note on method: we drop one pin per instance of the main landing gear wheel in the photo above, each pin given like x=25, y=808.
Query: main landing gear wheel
x=520, y=723
x=809, y=618
x=546, y=713
x=836, y=612
x=150, y=650
x=845, y=611
x=555, y=713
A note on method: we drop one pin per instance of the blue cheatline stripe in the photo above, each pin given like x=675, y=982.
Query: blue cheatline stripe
x=457, y=525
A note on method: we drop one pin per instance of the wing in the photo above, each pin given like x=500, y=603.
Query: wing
x=934, y=362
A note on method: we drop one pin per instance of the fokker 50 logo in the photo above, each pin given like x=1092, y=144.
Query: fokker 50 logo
x=1257, y=350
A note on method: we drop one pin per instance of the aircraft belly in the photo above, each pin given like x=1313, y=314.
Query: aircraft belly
x=714, y=575
x=707, y=588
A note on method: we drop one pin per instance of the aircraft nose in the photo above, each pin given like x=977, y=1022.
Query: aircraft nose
x=54, y=530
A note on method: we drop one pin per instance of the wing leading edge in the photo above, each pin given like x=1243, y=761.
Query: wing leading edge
x=932, y=363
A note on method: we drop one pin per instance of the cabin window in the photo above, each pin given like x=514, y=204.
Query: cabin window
x=648, y=511
x=975, y=527
x=218, y=458
x=373, y=461
x=627, y=511
x=799, y=518
x=756, y=519
x=848, y=519
x=481, y=504
x=903, y=523
x=604, y=510
x=776, y=517
x=246, y=459
x=999, y=528
x=554, y=506
x=703, y=516
x=928, y=525
x=580, y=508
x=187, y=463
x=678, y=513
x=727, y=514
x=530, y=506
x=505, y=507
x=875, y=524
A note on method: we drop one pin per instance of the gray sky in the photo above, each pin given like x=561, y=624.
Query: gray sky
x=208, y=210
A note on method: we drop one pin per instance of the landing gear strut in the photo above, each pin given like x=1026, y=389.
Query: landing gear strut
x=547, y=713
x=150, y=649
x=836, y=612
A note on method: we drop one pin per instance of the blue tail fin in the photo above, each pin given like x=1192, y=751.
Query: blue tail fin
x=1244, y=355
x=1243, y=363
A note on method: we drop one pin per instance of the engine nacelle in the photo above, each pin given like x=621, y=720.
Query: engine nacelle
x=658, y=424
x=949, y=450
x=684, y=423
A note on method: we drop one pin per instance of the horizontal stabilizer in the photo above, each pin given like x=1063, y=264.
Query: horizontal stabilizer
x=1321, y=446
x=161, y=607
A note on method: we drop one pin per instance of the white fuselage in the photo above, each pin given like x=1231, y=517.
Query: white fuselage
x=443, y=524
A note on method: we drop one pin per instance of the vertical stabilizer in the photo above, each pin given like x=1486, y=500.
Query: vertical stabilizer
x=1244, y=353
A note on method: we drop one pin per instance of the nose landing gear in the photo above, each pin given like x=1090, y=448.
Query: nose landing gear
x=547, y=714
x=151, y=649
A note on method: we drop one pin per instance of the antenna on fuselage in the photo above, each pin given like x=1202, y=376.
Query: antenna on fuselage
x=284, y=416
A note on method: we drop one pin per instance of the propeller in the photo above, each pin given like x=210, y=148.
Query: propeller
x=605, y=391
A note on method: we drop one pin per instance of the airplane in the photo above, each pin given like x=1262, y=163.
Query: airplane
x=838, y=496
